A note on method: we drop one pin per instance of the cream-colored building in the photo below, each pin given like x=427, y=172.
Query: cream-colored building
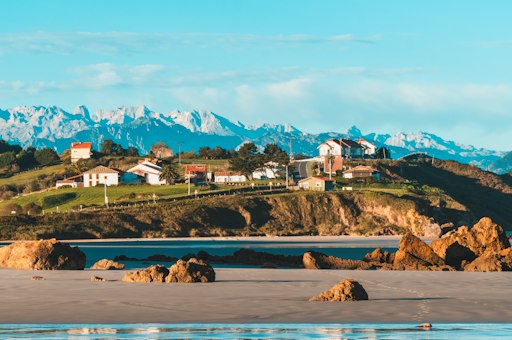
x=80, y=150
x=229, y=177
x=316, y=183
x=149, y=172
x=101, y=175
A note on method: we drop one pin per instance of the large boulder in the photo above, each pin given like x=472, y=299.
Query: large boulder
x=156, y=273
x=315, y=260
x=379, y=256
x=346, y=290
x=488, y=262
x=190, y=271
x=41, y=255
x=465, y=245
x=107, y=265
x=414, y=254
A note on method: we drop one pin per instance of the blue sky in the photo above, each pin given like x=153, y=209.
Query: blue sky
x=385, y=66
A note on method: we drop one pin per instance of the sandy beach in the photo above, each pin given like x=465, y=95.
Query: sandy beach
x=255, y=295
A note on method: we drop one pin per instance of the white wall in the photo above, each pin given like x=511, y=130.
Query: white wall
x=154, y=179
x=91, y=180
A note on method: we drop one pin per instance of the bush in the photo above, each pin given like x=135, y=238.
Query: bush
x=58, y=199
x=12, y=209
x=33, y=209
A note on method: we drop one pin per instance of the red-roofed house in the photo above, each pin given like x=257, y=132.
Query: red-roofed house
x=316, y=183
x=197, y=172
x=80, y=150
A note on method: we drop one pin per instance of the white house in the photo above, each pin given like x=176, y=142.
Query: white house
x=345, y=148
x=101, y=175
x=368, y=148
x=229, y=177
x=80, y=150
x=149, y=171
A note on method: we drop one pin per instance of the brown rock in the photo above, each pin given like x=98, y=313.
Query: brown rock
x=488, y=262
x=346, y=290
x=485, y=236
x=315, y=260
x=378, y=256
x=38, y=278
x=107, y=265
x=419, y=250
x=190, y=271
x=95, y=278
x=41, y=255
x=156, y=273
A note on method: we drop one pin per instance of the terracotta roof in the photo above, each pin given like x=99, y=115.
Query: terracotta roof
x=101, y=170
x=81, y=145
x=227, y=173
x=361, y=168
x=193, y=168
x=65, y=181
x=321, y=178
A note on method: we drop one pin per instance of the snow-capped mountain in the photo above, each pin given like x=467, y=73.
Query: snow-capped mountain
x=141, y=127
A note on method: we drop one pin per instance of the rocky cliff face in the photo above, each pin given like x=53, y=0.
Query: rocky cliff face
x=353, y=213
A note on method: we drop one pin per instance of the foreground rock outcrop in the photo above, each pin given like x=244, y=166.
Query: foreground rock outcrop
x=106, y=264
x=346, y=290
x=414, y=254
x=154, y=273
x=42, y=255
x=190, y=271
x=316, y=260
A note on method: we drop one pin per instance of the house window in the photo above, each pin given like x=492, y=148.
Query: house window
x=318, y=184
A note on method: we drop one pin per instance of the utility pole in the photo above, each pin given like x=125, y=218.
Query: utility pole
x=291, y=148
x=179, y=152
x=106, y=197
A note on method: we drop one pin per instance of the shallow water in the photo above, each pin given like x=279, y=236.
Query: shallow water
x=348, y=249
x=255, y=331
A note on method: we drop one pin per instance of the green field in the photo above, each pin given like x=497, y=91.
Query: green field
x=27, y=176
x=70, y=198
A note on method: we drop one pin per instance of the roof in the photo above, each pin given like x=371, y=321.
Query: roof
x=320, y=178
x=227, y=173
x=81, y=145
x=361, y=168
x=101, y=170
x=346, y=142
x=192, y=168
x=65, y=181
x=146, y=168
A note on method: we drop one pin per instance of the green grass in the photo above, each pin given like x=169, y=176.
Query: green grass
x=95, y=196
x=30, y=175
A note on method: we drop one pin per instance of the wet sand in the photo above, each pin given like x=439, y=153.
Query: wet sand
x=255, y=295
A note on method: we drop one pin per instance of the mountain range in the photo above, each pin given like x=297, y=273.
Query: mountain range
x=141, y=127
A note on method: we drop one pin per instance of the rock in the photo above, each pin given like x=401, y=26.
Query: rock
x=38, y=278
x=41, y=255
x=190, y=271
x=488, y=262
x=107, y=265
x=156, y=273
x=453, y=254
x=418, y=249
x=484, y=236
x=346, y=290
x=378, y=256
x=315, y=260
x=425, y=326
x=433, y=230
x=95, y=278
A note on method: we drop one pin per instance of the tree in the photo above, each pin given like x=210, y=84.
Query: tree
x=204, y=152
x=46, y=156
x=33, y=209
x=247, y=161
x=132, y=152
x=218, y=153
x=110, y=148
x=169, y=173
x=275, y=154
x=26, y=158
x=11, y=209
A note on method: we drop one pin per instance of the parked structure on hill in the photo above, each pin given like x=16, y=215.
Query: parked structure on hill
x=228, y=177
x=80, y=150
x=316, y=183
x=101, y=175
x=149, y=172
x=361, y=171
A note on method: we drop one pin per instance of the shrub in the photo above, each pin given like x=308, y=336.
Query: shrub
x=11, y=209
x=58, y=199
x=33, y=209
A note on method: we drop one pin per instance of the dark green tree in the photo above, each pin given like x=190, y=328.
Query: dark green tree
x=247, y=160
x=46, y=156
x=169, y=173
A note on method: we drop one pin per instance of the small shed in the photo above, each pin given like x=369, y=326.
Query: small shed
x=316, y=183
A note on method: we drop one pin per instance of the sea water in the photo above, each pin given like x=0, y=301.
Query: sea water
x=255, y=331
x=348, y=249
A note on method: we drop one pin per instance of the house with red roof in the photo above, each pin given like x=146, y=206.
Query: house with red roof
x=80, y=150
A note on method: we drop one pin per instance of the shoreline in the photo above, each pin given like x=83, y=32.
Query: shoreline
x=256, y=296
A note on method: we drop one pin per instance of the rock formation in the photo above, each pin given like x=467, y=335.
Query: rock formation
x=95, y=278
x=190, y=271
x=41, y=255
x=315, y=260
x=346, y=290
x=107, y=265
x=415, y=254
x=154, y=273
x=379, y=256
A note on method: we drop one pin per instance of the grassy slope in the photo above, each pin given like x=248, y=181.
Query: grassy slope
x=30, y=175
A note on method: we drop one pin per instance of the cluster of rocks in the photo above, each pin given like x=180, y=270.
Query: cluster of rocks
x=482, y=248
x=190, y=271
x=41, y=255
x=106, y=264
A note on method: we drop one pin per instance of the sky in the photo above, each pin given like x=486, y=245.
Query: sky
x=384, y=66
